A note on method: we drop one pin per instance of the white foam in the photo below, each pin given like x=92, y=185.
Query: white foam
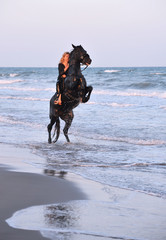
x=111, y=104
x=112, y=71
x=144, y=165
x=163, y=107
x=158, y=73
x=10, y=81
x=134, y=141
x=134, y=93
x=13, y=74
x=25, y=98
x=9, y=120
x=29, y=89
x=119, y=105
x=97, y=219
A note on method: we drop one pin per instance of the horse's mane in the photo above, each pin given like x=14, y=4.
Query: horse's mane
x=73, y=51
x=71, y=54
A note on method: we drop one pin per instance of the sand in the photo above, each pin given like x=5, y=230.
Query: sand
x=95, y=211
x=19, y=190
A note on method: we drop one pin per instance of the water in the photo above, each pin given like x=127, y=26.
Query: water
x=117, y=138
x=75, y=220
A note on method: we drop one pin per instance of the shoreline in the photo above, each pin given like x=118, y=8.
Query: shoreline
x=21, y=189
x=129, y=214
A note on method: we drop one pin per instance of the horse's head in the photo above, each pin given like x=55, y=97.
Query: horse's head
x=81, y=55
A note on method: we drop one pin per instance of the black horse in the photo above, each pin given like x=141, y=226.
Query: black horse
x=75, y=91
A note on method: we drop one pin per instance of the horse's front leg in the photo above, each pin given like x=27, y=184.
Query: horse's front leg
x=68, y=118
x=87, y=94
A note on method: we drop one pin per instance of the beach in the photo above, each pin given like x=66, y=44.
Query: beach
x=19, y=190
x=88, y=210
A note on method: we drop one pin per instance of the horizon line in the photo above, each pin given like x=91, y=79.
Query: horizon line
x=82, y=66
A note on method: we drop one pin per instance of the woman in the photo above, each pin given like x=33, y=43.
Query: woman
x=63, y=69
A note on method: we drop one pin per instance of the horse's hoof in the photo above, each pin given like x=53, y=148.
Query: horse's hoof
x=49, y=141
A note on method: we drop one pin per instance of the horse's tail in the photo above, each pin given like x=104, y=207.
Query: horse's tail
x=56, y=130
x=54, y=118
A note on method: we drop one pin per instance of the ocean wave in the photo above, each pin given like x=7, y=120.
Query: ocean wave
x=46, y=100
x=142, y=85
x=144, y=164
x=10, y=81
x=112, y=71
x=9, y=75
x=111, y=104
x=10, y=120
x=13, y=74
x=163, y=107
x=158, y=73
x=25, y=98
x=29, y=89
x=134, y=93
x=144, y=142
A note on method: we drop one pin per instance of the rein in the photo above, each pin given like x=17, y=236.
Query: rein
x=81, y=70
x=84, y=68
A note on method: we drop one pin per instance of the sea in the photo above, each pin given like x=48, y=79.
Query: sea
x=117, y=138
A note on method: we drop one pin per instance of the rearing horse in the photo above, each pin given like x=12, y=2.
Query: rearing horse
x=75, y=91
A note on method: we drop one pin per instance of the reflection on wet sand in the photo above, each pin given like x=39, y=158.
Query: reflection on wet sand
x=51, y=172
x=60, y=216
x=125, y=218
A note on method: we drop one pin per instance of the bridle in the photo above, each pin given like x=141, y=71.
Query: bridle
x=84, y=68
x=82, y=58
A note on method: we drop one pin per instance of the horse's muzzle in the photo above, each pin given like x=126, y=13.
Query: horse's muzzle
x=86, y=60
x=89, y=62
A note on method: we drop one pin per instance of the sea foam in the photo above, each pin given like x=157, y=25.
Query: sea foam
x=28, y=89
x=112, y=71
x=144, y=142
x=10, y=81
x=25, y=98
x=131, y=93
x=13, y=74
x=9, y=120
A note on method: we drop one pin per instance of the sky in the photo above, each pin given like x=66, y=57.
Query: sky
x=115, y=33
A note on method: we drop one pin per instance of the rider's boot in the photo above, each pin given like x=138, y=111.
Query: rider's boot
x=59, y=100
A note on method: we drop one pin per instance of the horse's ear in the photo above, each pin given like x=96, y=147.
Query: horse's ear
x=73, y=46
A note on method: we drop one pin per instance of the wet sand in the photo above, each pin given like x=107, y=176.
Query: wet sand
x=108, y=212
x=19, y=190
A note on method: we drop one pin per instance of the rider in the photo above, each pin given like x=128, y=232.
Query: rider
x=63, y=69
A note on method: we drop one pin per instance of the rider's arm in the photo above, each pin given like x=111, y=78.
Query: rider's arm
x=61, y=69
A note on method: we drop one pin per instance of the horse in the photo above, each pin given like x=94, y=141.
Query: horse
x=75, y=91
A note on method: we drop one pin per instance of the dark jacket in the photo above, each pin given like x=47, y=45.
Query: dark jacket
x=60, y=81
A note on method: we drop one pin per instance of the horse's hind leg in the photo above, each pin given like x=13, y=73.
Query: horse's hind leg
x=57, y=129
x=49, y=128
x=68, y=118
